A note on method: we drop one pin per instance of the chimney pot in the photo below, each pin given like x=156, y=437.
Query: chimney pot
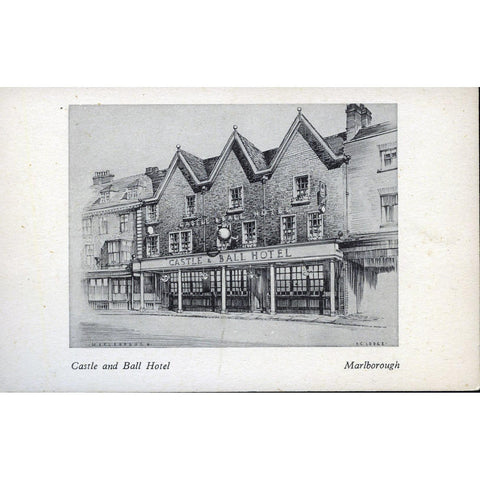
x=358, y=116
x=102, y=176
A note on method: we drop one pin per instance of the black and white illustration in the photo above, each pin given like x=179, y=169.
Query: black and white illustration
x=233, y=225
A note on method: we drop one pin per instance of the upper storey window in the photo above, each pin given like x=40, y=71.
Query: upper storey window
x=152, y=213
x=315, y=226
x=301, y=189
x=235, y=201
x=132, y=193
x=105, y=196
x=288, y=229
x=249, y=234
x=103, y=225
x=389, y=206
x=180, y=242
x=87, y=226
x=388, y=157
x=190, y=205
x=123, y=222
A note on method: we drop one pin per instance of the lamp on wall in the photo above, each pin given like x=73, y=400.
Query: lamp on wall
x=224, y=234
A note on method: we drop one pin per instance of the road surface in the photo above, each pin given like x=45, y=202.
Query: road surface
x=144, y=330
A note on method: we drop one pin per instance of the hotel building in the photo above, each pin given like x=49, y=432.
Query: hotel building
x=307, y=227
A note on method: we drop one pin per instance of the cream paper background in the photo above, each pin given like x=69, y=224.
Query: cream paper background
x=438, y=255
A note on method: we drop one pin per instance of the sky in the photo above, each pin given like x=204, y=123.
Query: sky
x=126, y=139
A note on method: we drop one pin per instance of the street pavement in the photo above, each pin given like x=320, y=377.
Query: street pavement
x=203, y=329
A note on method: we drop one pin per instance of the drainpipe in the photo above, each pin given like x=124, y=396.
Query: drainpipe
x=264, y=212
x=347, y=193
x=204, y=219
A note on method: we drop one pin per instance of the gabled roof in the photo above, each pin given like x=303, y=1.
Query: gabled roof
x=256, y=163
x=117, y=191
x=257, y=156
x=374, y=130
x=196, y=164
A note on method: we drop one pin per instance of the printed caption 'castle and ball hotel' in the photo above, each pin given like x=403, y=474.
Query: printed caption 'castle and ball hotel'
x=307, y=227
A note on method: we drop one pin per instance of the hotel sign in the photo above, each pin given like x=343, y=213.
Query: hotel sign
x=251, y=256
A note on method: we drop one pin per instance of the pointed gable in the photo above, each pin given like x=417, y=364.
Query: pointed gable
x=317, y=143
x=255, y=162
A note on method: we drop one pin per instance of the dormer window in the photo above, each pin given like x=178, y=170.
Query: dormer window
x=190, y=205
x=105, y=196
x=132, y=193
x=301, y=189
x=236, y=198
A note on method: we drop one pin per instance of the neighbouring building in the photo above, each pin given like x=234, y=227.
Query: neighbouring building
x=309, y=226
x=109, y=226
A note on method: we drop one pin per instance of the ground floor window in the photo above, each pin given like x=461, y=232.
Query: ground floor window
x=98, y=289
x=148, y=283
x=299, y=280
x=174, y=282
x=192, y=282
x=237, y=282
x=216, y=281
x=119, y=286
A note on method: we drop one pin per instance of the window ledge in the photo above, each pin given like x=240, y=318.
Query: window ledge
x=302, y=201
x=381, y=170
x=389, y=225
x=232, y=211
x=190, y=217
x=151, y=221
x=249, y=245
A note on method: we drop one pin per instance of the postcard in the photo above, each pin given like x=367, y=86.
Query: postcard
x=240, y=239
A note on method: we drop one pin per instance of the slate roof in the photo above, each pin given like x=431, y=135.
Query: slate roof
x=209, y=164
x=118, y=189
x=196, y=164
x=336, y=142
x=374, y=130
x=256, y=155
x=158, y=179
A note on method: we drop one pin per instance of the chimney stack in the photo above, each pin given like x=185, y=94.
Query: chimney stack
x=103, y=176
x=358, y=116
x=156, y=175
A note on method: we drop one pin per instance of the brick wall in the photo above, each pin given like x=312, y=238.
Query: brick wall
x=299, y=159
x=171, y=211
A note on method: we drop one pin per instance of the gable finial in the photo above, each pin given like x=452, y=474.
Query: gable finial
x=299, y=110
x=235, y=127
x=178, y=147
